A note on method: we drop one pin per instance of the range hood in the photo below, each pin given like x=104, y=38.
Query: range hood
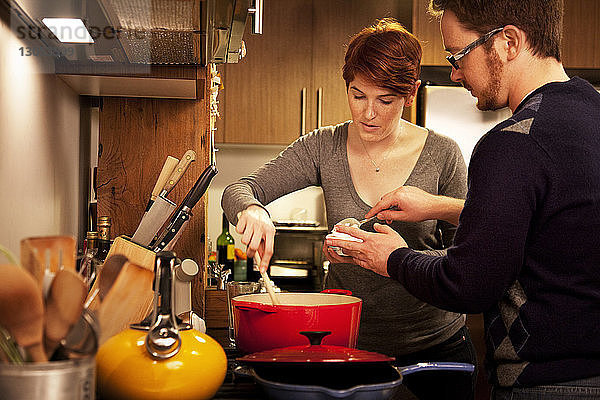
x=152, y=32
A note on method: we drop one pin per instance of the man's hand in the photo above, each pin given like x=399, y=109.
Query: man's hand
x=411, y=204
x=258, y=233
x=374, y=250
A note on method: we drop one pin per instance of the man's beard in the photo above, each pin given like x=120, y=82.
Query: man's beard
x=488, y=98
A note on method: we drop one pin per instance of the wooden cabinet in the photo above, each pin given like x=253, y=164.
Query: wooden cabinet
x=580, y=45
x=271, y=96
x=581, y=39
x=334, y=23
x=427, y=29
x=261, y=98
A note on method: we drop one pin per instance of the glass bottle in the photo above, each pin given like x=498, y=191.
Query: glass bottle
x=252, y=270
x=104, y=225
x=226, y=247
x=89, y=261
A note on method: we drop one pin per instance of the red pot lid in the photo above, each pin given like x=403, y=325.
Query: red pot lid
x=315, y=353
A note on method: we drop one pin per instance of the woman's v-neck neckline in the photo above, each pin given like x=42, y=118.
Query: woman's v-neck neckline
x=352, y=188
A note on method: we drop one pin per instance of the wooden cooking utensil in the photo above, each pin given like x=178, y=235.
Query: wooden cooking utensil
x=105, y=280
x=127, y=302
x=61, y=250
x=64, y=305
x=22, y=310
x=267, y=281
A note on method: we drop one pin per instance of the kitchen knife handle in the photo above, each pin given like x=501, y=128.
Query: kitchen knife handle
x=183, y=212
x=188, y=158
x=199, y=188
x=167, y=170
x=172, y=231
x=171, y=243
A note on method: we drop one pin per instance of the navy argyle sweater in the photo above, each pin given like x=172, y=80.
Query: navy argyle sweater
x=527, y=248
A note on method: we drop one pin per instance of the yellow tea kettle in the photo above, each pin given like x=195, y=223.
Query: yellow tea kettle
x=159, y=358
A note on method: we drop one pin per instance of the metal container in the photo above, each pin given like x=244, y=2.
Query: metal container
x=57, y=380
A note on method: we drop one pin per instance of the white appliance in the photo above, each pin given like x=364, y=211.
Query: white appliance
x=452, y=111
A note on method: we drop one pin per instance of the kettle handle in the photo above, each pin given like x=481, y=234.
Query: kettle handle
x=337, y=291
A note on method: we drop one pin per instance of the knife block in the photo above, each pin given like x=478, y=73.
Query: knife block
x=135, y=253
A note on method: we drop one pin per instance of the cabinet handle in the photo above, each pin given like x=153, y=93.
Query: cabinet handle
x=257, y=17
x=319, y=107
x=302, y=111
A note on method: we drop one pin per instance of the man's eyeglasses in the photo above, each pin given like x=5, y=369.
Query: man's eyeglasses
x=453, y=59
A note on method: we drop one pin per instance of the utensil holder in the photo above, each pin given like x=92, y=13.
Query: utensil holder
x=57, y=380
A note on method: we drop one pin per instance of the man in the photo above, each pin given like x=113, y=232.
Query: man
x=527, y=247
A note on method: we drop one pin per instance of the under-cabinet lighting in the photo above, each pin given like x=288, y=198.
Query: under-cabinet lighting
x=68, y=30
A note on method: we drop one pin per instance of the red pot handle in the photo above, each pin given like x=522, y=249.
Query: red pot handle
x=337, y=291
x=248, y=306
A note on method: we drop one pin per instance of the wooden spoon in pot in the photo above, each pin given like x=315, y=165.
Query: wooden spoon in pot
x=267, y=281
x=64, y=305
x=22, y=310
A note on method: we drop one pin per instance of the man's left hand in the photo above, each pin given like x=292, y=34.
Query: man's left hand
x=375, y=248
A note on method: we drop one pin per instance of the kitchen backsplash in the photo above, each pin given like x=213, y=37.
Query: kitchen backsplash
x=39, y=138
x=236, y=161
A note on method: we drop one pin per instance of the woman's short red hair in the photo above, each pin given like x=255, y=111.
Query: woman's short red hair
x=385, y=54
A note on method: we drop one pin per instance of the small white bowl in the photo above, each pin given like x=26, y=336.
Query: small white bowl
x=341, y=236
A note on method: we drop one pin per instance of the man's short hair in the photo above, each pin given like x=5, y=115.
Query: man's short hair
x=541, y=20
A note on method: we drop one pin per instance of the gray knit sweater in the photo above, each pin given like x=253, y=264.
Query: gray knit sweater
x=393, y=322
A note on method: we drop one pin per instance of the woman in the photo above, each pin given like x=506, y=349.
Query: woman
x=355, y=163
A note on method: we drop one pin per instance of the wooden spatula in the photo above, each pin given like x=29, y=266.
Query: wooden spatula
x=128, y=301
x=267, y=281
x=64, y=305
x=62, y=250
x=22, y=310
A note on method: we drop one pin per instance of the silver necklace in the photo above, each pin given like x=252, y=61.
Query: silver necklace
x=385, y=155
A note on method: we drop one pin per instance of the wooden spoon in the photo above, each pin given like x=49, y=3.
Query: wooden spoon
x=267, y=281
x=128, y=301
x=22, y=310
x=64, y=305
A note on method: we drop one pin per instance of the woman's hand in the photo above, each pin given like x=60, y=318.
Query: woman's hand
x=411, y=204
x=375, y=248
x=258, y=234
x=334, y=257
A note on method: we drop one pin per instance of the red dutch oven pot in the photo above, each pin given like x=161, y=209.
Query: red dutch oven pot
x=259, y=325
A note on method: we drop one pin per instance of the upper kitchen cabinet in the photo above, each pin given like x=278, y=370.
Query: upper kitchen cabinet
x=427, y=29
x=334, y=23
x=261, y=101
x=291, y=79
x=581, y=38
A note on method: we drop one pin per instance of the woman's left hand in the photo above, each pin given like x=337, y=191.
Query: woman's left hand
x=375, y=248
x=334, y=258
